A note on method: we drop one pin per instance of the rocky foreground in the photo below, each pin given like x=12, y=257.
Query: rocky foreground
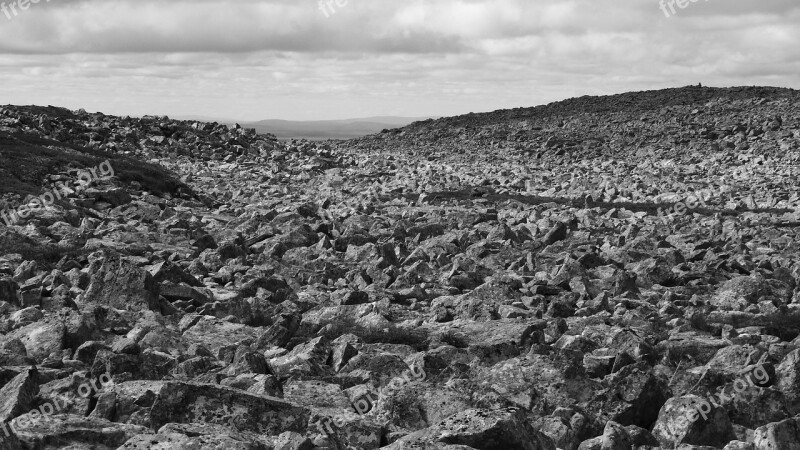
x=601, y=273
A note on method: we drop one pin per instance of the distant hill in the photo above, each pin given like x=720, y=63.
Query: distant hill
x=607, y=104
x=330, y=129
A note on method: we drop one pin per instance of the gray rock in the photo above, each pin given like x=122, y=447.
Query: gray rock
x=18, y=395
x=740, y=292
x=778, y=435
x=72, y=431
x=692, y=420
x=788, y=380
x=122, y=285
x=207, y=403
x=481, y=429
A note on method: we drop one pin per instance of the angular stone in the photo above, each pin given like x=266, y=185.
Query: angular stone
x=309, y=359
x=280, y=332
x=778, y=435
x=122, y=285
x=738, y=293
x=480, y=429
x=788, y=380
x=557, y=233
x=41, y=339
x=207, y=403
x=73, y=431
x=692, y=420
x=536, y=383
x=214, y=334
x=18, y=395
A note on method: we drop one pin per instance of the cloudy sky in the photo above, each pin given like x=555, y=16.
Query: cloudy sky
x=297, y=59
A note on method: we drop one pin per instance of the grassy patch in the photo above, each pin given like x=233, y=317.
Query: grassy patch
x=27, y=160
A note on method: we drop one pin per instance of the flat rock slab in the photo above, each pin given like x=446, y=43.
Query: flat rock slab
x=175, y=436
x=71, y=431
x=214, y=334
x=480, y=429
x=215, y=404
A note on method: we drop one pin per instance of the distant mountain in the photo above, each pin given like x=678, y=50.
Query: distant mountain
x=208, y=119
x=330, y=129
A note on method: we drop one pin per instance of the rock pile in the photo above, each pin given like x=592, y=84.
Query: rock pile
x=527, y=279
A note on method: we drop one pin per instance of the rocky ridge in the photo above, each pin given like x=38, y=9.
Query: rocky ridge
x=529, y=279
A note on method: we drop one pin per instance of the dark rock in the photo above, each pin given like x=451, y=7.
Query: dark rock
x=557, y=233
x=18, y=395
x=8, y=290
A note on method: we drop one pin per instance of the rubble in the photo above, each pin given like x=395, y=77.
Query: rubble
x=579, y=275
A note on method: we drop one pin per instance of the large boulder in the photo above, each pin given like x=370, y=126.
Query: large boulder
x=536, y=383
x=783, y=435
x=120, y=284
x=788, y=379
x=215, y=334
x=41, y=339
x=74, y=431
x=740, y=292
x=480, y=429
x=180, y=436
x=692, y=420
x=491, y=341
x=210, y=403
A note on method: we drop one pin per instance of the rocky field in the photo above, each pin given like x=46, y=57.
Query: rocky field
x=601, y=273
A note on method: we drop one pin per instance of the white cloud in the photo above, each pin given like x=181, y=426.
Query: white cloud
x=249, y=59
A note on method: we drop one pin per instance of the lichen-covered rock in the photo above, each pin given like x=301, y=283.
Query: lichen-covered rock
x=481, y=429
x=73, y=431
x=778, y=435
x=536, y=383
x=208, y=403
x=41, y=339
x=215, y=334
x=788, y=380
x=692, y=420
x=118, y=283
x=205, y=436
x=740, y=292
x=310, y=358
x=632, y=396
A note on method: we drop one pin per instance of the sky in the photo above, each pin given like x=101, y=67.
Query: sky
x=250, y=60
